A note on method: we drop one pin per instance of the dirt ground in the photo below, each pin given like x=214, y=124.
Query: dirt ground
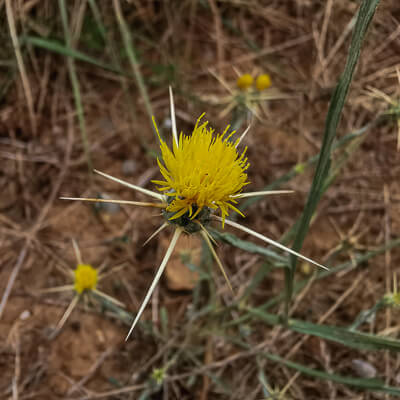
x=192, y=46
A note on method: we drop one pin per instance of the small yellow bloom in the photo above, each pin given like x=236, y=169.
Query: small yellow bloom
x=202, y=170
x=158, y=375
x=244, y=81
x=263, y=82
x=85, y=278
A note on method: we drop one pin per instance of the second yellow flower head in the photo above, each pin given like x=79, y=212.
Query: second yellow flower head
x=85, y=278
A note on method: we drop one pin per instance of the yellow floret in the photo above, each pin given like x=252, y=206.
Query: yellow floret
x=263, y=82
x=85, y=278
x=202, y=170
x=244, y=81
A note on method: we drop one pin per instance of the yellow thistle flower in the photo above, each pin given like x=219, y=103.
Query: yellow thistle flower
x=203, y=170
x=244, y=81
x=263, y=82
x=203, y=174
x=85, y=279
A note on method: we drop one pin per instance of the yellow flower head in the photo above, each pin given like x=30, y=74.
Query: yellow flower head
x=244, y=81
x=263, y=82
x=85, y=278
x=202, y=170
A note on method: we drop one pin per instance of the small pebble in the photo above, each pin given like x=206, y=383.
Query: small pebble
x=167, y=123
x=129, y=167
x=363, y=369
x=109, y=208
x=25, y=315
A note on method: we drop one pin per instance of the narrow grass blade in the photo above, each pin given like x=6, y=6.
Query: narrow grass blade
x=365, y=14
x=352, y=339
x=59, y=48
x=75, y=87
x=21, y=66
x=348, y=265
x=256, y=280
x=361, y=383
x=128, y=44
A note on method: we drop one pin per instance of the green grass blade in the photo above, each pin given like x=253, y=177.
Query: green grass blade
x=75, y=87
x=259, y=276
x=321, y=275
x=340, y=162
x=128, y=43
x=352, y=339
x=65, y=50
x=365, y=14
x=371, y=384
x=361, y=383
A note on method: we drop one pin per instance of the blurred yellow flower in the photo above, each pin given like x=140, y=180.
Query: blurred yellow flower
x=85, y=278
x=244, y=81
x=263, y=82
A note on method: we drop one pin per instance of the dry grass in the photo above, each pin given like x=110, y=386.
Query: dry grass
x=303, y=46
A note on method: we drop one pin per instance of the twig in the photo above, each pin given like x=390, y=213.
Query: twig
x=13, y=276
x=218, y=33
x=21, y=65
x=91, y=372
